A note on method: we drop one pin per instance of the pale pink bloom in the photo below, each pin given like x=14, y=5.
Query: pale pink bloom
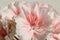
x=33, y=19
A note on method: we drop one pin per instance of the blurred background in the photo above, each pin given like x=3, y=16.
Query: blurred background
x=54, y=3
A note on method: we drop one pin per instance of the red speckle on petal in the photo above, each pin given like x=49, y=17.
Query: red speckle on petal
x=31, y=17
x=17, y=12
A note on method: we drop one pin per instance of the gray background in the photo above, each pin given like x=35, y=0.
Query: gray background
x=54, y=3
